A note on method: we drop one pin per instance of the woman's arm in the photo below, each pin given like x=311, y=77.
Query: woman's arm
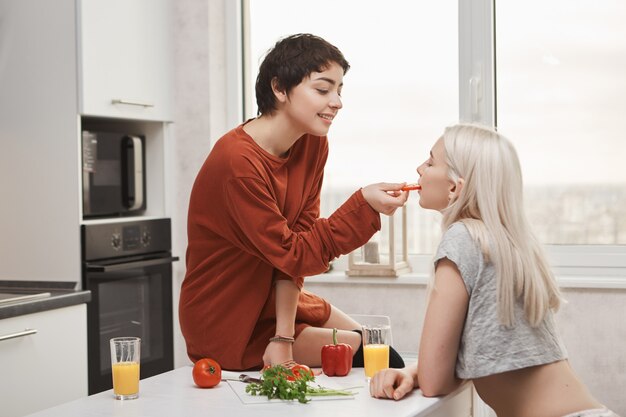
x=439, y=345
x=288, y=288
x=394, y=383
x=258, y=227
x=304, y=222
x=287, y=294
x=441, y=334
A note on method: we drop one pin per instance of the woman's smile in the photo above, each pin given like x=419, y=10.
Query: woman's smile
x=327, y=117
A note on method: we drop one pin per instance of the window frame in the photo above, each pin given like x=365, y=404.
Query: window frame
x=599, y=266
x=236, y=37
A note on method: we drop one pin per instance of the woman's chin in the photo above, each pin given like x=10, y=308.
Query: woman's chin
x=319, y=132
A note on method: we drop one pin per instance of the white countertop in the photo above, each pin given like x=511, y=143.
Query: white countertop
x=174, y=394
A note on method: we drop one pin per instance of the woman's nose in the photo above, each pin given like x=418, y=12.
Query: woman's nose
x=420, y=169
x=336, y=102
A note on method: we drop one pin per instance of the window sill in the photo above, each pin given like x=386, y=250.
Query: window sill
x=339, y=277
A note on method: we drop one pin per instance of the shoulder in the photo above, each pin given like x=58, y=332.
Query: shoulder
x=458, y=235
x=231, y=160
x=460, y=247
x=234, y=142
x=236, y=154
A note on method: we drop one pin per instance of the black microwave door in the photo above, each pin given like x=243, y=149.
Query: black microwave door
x=114, y=181
x=133, y=173
x=102, y=176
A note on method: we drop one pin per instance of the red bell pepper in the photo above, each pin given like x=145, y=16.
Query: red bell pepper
x=336, y=358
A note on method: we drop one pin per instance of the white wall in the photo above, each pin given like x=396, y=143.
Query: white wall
x=199, y=116
x=593, y=325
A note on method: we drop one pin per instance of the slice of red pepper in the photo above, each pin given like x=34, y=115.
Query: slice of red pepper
x=410, y=187
x=336, y=358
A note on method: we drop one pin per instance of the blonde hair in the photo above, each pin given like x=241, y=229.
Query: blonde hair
x=491, y=206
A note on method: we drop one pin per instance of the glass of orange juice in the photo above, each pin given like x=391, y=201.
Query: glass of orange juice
x=375, y=348
x=125, y=353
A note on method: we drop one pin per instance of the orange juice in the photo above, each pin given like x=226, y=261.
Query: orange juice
x=125, y=378
x=376, y=357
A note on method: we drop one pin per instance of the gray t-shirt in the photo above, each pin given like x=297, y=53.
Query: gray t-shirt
x=487, y=347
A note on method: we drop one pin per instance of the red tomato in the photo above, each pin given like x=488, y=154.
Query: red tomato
x=207, y=373
x=299, y=371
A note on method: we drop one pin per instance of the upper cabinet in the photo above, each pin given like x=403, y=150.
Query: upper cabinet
x=123, y=59
x=62, y=65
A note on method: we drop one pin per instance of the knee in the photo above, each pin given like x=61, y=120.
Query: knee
x=349, y=337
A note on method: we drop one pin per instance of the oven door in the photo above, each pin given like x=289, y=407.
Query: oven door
x=129, y=297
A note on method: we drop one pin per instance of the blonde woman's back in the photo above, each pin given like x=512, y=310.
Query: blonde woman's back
x=551, y=390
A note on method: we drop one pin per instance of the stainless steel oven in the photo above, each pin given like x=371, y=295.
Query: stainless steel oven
x=127, y=266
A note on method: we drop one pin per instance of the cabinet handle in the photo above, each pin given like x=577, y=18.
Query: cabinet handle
x=26, y=332
x=130, y=103
x=128, y=265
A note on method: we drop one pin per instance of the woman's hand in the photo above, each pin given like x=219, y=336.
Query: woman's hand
x=385, y=197
x=277, y=353
x=392, y=383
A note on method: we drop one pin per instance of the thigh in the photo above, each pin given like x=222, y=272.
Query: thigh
x=340, y=320
x=307, y=349
x=308, y=345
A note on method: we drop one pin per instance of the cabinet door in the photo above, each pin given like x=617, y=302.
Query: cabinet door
x=124, y=59
x=46, y=367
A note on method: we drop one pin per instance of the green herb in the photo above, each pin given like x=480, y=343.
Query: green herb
x=276, y=384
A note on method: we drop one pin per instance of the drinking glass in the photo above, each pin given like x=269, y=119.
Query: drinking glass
x=376, y=339
x=374, y=319
x=125, y=353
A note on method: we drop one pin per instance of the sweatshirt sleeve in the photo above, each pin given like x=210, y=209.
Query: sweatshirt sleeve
x=303, y=223
x=260, y=229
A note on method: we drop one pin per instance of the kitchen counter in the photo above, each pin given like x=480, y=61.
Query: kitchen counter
x=51, y=295
x=174, y=394
x=43, y=345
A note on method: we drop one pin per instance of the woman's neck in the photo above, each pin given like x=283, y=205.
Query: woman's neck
x=274, y=133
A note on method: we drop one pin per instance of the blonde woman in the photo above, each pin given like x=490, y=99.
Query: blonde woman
x=490, y=311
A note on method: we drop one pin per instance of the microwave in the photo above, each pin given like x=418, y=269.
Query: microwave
x=114, y=175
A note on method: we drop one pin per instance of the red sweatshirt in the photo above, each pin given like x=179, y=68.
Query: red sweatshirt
x=253, y=219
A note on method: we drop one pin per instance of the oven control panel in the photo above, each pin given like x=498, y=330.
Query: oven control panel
x=132, y=237
x=126, y=238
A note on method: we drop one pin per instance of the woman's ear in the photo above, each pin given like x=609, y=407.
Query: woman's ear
x=455, y=189
x=279, y=92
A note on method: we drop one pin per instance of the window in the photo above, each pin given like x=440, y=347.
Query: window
x=561, y=97
x=399, y=94
x=418, y=67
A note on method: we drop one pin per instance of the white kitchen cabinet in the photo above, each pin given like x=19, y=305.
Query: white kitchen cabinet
x=45, y=368
x=43, y=111
x=124, y=62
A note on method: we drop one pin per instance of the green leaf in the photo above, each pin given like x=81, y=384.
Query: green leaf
x=274, y=384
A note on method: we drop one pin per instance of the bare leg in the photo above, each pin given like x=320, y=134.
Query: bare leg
x=340, y=320
x=308, y=346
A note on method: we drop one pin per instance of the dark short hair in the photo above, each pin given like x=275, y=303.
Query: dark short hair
x=291, y=60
